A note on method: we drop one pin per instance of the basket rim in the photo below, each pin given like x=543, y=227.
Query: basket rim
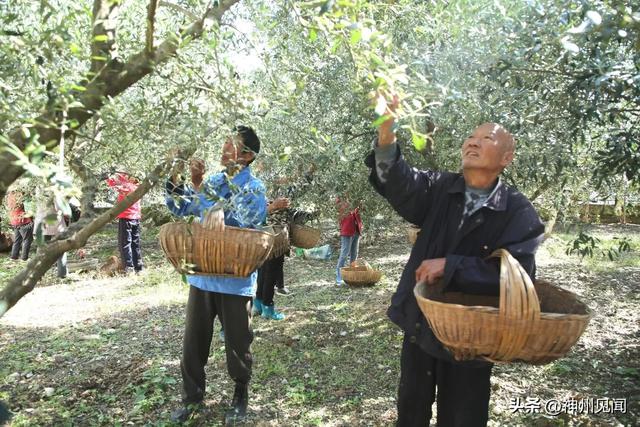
x=226, y=228
x=304, y=226
x=354, y=269
x=495, y=310
x=305, y=229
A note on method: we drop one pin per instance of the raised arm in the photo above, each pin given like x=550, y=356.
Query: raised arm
x=406, y=188
x=278, y=204
x=183, y=199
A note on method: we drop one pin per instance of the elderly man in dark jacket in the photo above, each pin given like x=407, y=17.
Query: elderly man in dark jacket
x=463, y=219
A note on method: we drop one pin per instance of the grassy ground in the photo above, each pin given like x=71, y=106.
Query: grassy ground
x=92, y=350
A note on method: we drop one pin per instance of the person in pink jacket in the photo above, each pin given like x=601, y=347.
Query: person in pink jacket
x=129, y=225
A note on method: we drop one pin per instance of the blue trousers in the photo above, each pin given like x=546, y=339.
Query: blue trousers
x=348, y=251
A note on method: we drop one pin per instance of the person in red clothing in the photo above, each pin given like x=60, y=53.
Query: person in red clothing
x=22, y=223
x=350, y=231
x=129, y=225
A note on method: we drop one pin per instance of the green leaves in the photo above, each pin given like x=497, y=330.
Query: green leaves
x=419, y=142
x=313, y=35
x=587, y=245
x=562, y=79
x=356, y=35
x=75, y=49
x=380, y=120
x=286, y=153
x=583, y=245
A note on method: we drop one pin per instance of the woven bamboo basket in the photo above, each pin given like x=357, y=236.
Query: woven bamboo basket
x=218, y=250
x=530, y=323
x=412, y=234
x=360, y=276
x=280, y=240
x=305, y=237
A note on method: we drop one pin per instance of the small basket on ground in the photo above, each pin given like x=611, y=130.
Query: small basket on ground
x=280, y=240
x=360, y=276
x=211, y=248
x=412, y=233
x=303, y=236
x=530, y=323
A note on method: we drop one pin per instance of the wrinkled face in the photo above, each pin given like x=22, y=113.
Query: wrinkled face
x=234, y=152
x=488, y=148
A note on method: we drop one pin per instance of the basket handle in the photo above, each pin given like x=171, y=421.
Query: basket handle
x=518, y=301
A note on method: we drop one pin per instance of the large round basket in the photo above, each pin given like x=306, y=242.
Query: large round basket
x=280, y=240
x=412, y=234
x=232, y=251
x=360, y=276
x=305, y=237
x=527, y=323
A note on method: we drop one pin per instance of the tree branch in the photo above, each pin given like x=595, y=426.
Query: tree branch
x=11, y=33
x=103, y=32
x=180, y=9
x=77, y=235
x=151, y=20
x=111, y=80
x=541, y=189
x=353, y=136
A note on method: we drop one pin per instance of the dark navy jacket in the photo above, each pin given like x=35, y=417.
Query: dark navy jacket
x=434, y=202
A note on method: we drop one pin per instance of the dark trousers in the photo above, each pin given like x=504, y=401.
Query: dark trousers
x=270, y=275
x=234, y=312
x=22, y=239
x=462, y=392
x=129, y=243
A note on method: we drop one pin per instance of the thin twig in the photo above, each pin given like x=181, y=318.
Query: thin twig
x=180, y=9
x=151, y=20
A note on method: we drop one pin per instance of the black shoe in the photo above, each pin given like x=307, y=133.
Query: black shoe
x=238, y=411
x=182, y=414
x=283, y=291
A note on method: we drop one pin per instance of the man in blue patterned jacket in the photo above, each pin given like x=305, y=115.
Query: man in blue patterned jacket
x=245, y=205
x=463, y=218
